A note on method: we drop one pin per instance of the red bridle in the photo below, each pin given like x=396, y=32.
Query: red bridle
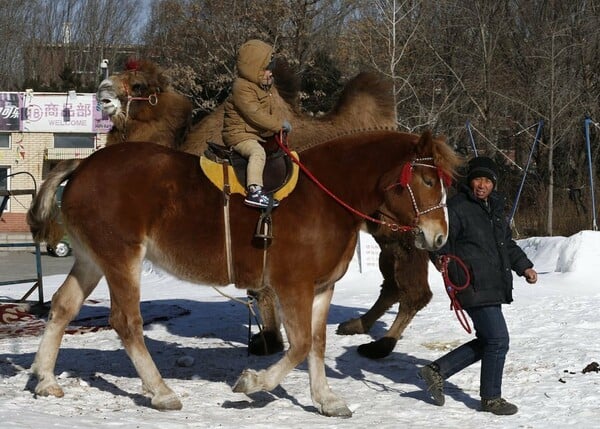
x=406, y=178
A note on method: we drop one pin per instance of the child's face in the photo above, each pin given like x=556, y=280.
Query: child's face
x=267, y=78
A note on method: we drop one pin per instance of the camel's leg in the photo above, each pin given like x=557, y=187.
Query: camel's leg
x=388, y=296
x=323, y=398
x=66, y=303
x=269, y=340
x=413, y=293
x=126, y=319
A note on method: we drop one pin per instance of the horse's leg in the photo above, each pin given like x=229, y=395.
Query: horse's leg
x=388, y=296
x=305, y=324
x=323, y=398
x=295, y=305
x=66, y=303
x=413, y=294
x=126, y=319
x=269, y=340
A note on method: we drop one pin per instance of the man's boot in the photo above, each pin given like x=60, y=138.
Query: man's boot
x=498, y=406
x=435, y=382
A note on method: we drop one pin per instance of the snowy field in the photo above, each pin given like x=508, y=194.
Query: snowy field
x=554, y=327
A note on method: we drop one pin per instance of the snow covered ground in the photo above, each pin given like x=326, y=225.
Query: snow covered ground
x=554, y=327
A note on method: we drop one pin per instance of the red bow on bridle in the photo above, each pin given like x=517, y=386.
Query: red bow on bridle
x=406, y=179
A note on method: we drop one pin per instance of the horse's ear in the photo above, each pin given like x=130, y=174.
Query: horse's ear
x=425, y=141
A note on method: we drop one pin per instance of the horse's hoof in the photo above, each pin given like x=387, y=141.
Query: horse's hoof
x=247, y=382
x=265, y=343
x=351, y=327
x=49, y=389
x=338, y=409
x=377, y=349
x=168, y=402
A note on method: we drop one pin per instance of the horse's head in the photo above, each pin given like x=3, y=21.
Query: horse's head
x=120, y=94
x=415, y=193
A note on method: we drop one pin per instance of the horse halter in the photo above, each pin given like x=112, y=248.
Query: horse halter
x=405, y=179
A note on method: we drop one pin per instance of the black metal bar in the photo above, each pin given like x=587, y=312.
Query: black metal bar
x=38, y=280
x=17, y=281
x=3, y=204
x=20, y=244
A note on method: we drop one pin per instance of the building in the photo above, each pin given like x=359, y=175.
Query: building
x=37, y=130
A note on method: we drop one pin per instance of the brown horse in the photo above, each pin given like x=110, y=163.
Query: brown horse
x=144, y=107
x=129, y=202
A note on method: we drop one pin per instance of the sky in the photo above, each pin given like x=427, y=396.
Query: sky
x=200, y=350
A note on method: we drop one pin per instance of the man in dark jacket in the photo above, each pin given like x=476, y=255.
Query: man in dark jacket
x=480, y=236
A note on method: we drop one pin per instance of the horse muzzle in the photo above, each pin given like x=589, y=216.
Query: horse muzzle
x=430, y=238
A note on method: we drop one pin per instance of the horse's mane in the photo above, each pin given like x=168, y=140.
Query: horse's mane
x=445, y=157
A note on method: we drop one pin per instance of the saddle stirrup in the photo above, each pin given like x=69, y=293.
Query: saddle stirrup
x=264, y=226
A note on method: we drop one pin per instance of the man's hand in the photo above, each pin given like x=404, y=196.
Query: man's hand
x=530, y=275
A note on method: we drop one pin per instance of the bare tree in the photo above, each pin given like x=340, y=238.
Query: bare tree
x=15, y=24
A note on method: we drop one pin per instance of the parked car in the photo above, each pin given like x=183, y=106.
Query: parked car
x=63, y=247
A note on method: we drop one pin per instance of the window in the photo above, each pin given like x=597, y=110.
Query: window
x=4, y=140
x=70, y=141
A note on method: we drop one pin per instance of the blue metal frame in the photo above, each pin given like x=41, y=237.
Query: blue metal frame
x=589, y=157
x=518, y=196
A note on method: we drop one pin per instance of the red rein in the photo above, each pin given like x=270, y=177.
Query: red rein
x=404, y=181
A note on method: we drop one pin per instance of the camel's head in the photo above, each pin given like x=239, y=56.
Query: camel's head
x=142, y=81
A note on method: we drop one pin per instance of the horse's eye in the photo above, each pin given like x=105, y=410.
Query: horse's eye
x=428, y=181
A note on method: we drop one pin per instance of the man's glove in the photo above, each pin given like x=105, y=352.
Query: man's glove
x=286, y=127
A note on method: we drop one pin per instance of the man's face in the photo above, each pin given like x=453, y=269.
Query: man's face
x=482, y=187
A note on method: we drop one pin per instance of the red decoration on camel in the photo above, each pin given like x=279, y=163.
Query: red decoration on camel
x=132, y=64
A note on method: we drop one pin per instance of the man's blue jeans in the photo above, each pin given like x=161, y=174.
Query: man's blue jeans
x=490, y=346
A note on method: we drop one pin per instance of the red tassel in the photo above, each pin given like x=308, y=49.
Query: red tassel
x=406, y=175
x=132, y=64
x=444, y=177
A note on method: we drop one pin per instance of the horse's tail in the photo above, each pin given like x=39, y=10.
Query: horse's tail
x=43, y=215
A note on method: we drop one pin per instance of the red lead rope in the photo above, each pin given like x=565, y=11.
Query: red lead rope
x=451, y=289
x=280, y=139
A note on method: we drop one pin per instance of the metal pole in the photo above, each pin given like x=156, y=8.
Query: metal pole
x=516, y=203
x=468, y=125
x=589, y=156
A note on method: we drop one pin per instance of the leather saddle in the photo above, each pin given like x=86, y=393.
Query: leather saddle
x=224, y=166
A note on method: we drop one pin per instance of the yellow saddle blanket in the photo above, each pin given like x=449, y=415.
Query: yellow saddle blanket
x=215, y=171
